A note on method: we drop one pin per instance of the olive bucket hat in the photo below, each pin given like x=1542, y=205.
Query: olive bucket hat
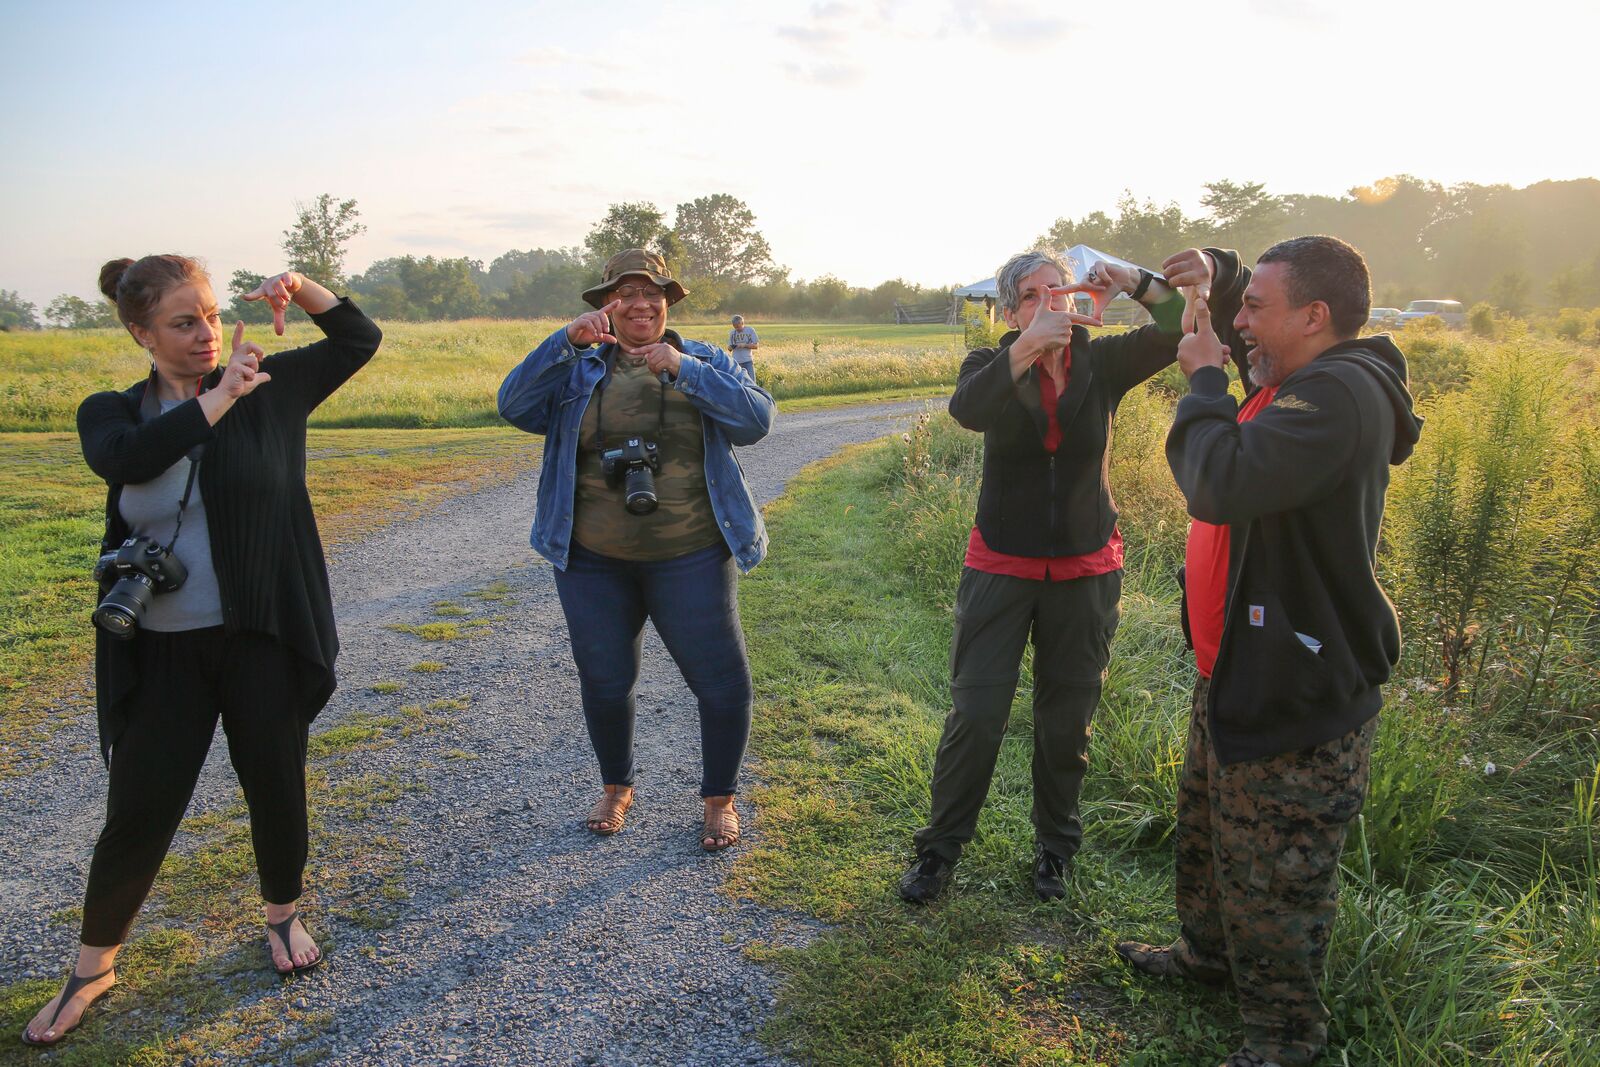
x=634, y=261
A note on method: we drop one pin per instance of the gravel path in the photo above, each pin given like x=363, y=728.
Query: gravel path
x=523, y=938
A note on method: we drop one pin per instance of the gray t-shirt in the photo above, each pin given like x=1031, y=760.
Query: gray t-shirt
x=739, y=342
x=151, y=510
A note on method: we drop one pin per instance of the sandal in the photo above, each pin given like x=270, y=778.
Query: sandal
x=74, y=983
x=283, y=929
x=720, y=829
x=610, y=812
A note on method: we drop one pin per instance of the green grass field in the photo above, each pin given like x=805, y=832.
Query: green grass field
x=52, y=512
x=1469, y=924
x=446, y=374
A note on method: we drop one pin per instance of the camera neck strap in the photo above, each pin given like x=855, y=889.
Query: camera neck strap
x=149, y=408
x=600, y=403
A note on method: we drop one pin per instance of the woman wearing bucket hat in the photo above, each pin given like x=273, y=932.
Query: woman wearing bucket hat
x=644, y=513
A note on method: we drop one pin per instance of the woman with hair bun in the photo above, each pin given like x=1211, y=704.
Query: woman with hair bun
x=214, y=594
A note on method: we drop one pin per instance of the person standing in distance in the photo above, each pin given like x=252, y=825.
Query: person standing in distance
x=742, y=343
x=1292, y=633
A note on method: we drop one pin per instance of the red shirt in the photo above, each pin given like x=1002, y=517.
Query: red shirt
x=980, y=557
x=1205, y=568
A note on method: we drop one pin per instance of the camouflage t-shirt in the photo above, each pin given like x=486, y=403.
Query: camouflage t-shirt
x=683, y=522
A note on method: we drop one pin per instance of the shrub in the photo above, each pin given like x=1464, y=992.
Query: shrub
x=1492, y=530
x=979, y=331
x=1481, y=319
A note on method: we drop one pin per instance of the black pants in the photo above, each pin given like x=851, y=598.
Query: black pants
x=1071, y=624
x=186, y=680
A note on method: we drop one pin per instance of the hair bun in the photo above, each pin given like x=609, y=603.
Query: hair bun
x=111, y=274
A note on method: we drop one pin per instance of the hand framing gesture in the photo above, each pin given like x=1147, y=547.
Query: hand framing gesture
x=592, y=327
x=661, y=357
x=1202, y=347
x=277, y=291
x=243, y=372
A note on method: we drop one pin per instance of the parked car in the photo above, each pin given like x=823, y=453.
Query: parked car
x=1450, y=311
x=1382, y=318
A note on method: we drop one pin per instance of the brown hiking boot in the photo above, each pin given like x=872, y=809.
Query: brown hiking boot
x=1169, y=962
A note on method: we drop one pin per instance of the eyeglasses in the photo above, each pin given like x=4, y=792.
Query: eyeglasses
x=628, y=292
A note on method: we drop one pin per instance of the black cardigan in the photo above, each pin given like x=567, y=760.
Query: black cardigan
x=1035, y=503
x=264, y=543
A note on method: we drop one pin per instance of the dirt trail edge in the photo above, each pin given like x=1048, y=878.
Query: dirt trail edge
x=511, y=935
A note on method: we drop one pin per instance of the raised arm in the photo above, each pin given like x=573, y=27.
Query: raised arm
x=311, y=374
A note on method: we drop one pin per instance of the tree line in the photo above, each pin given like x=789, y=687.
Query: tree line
x=1520, y=250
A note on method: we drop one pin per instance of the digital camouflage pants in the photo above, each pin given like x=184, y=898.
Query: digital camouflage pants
x=1257, y=862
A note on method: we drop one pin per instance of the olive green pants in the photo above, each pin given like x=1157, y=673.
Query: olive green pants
x=1071, y=624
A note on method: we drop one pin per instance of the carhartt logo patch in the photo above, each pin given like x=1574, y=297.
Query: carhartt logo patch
x=1258, y=615
x=1294, y=403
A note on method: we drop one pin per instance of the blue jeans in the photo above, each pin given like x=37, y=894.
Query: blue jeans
x=693, y=603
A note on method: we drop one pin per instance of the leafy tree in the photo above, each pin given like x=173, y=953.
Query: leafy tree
x=553, y=291
x=632, y=225
x=315, y=244
x=1245, y=217
x=16, y=313
x=717, y=239
x=1095, y=229
x=825, y=296
x=379, y=273
x=1514, y=290
x=514, y=265
x=75, y=313
x=252, y=311
x=1141, y=233
x=440, y=288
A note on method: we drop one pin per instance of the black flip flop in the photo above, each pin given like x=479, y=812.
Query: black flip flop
x=282, y=930
x=68, y=991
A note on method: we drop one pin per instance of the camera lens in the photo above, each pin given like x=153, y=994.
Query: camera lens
x=120, y=612
x=639, y=490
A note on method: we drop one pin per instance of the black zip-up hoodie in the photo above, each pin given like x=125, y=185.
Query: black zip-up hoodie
x=1308, y=635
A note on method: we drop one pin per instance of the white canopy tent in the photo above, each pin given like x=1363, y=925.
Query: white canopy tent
x=1079, y=257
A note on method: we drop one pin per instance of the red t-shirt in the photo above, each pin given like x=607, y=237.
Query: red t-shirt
x=1205, y=568
x=980, y=557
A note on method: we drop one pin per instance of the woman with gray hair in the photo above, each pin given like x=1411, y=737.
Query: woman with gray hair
x=1044, y=558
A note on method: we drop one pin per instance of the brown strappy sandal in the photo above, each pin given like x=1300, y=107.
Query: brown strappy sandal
x=610, y=812
x=721, y=825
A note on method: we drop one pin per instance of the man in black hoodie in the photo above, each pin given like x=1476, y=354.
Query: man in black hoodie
x=1281, y=732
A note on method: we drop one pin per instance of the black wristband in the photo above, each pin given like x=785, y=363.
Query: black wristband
x=1145, y=278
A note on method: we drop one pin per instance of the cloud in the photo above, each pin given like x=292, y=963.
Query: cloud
x=828, y=75
x=814, y=36
x=1023, y=24
x=609, y=95
x=556, y=56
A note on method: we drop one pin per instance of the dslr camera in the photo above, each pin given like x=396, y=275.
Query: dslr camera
x=634, y=466
x=141, y=569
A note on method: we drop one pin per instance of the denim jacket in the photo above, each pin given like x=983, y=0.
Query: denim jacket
x=548, y=392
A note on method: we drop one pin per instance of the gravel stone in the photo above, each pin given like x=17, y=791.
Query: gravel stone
x=521, y=938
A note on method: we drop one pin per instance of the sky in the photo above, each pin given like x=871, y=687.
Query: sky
x=925, y=141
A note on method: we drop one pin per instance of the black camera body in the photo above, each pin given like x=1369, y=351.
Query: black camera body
x=141, y=568
x=633, y=465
